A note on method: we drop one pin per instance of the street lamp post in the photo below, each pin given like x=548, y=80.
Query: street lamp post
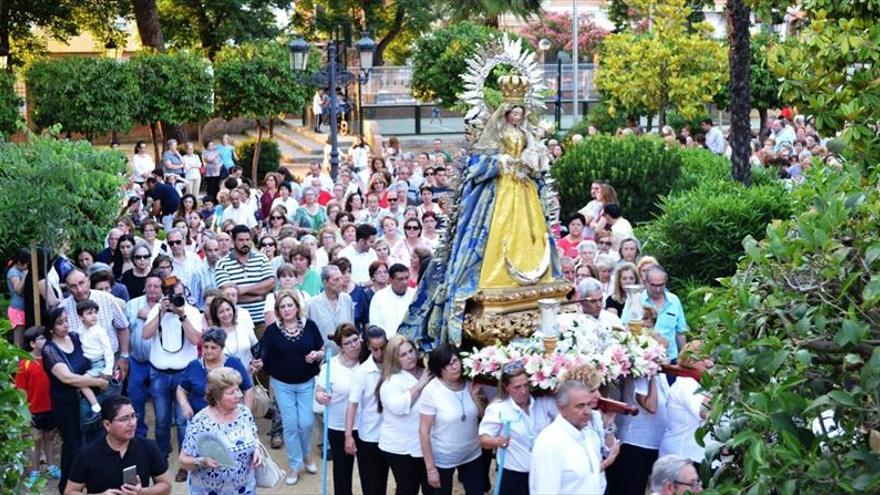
x=559, y=59
x=366, y=48
x=330, y=77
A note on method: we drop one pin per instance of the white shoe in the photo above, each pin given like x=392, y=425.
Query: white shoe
x=311, y=468
x=292, y=479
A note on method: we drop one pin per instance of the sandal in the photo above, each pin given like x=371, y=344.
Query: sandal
x=277, y=442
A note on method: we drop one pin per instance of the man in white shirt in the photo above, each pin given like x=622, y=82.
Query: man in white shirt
x=390, y=304
x=567, y=456
x=360, y=253
x=326, y=183
x=674, y=475
x=620, y=227
x=362, y=418
x=175, y=331
x=714, y=138
x=592, y=301
x=240, y=213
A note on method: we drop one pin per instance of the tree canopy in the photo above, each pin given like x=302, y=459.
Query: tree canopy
x=556, y=27
x=666, y=67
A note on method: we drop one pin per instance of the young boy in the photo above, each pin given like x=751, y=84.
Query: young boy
x=32, y=380
x=96, y=348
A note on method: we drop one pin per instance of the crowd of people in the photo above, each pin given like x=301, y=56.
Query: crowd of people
x=209, y=288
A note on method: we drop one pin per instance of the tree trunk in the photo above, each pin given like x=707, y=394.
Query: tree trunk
x=271, y=127
x=762, y=115
x=393, y=31
x=739, y=57
x=154, y=137
x=147, y=16
x=256, y=159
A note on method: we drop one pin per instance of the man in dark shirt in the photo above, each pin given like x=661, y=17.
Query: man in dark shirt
x=99, y=466
x=165, y=198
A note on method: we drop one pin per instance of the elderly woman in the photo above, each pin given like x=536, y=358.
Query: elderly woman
x=194, y=380
x=400, y=401
x=568, y=245
x=605, y=266
x=342, y=368
x=232, y=421
x=527, y=415
x=586, y=253
x=449, y=421
x=276, y=221
x=327, y=238
x=310, y=216
x=136, y=278
x=67, y=367
x=630, y=250
x=308, y=280
x=239, y=331
x=625, y=274
x=292, y=351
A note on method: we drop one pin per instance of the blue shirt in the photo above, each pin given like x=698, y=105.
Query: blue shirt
x=194, y=380
x=138, y=347
x=670, y=320
x=17, y=300
x=225, y=155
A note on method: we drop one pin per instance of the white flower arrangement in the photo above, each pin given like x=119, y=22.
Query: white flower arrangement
x=616, y=353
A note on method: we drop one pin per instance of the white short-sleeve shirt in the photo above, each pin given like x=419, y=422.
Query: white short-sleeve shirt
x=363, y=393
x=399, y=433
x=341, y=381
x=454, y=439
x=524, y=427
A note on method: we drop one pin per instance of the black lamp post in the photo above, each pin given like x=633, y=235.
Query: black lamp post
x=560, y=57
x=366, y=49
x=331, y=76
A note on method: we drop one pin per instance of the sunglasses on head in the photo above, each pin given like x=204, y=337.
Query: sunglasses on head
x=510, y=368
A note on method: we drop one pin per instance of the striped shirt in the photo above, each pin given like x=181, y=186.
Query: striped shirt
x=257, y=269
x=110, y=315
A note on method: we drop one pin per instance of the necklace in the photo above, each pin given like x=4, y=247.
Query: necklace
x=459, y=394
x=291, y=335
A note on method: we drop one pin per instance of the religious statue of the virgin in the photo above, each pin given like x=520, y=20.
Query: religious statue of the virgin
x=499, y=257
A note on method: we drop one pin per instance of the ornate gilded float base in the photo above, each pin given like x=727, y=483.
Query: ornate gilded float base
x=501, y=314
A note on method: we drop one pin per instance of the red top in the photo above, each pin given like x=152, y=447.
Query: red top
x=33, y=381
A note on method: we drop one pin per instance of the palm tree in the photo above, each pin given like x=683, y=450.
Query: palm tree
x=488, y=11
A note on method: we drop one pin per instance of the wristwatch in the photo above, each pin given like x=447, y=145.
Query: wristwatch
x=182, y=317
x=124, y=355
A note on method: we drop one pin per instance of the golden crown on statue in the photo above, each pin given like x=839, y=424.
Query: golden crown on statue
x=513, y=88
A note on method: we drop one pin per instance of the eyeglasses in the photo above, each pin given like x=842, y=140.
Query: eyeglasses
x=412, y=227
x=126, y=419
x=429, y=175
x=692, y=484
x=603, y=243
x=174, y=243
x=277, y=217
x=164, y=267
x=267, y=244
x=141, y=256
x=392, y=200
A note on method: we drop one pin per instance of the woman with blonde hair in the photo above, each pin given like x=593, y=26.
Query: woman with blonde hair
x=227, y=418
x=400, y=393
x=644, y=263
x=625, y=274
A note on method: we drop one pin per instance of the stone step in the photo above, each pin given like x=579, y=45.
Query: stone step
x=303, y=144
x=318, y=137
x=289, y=154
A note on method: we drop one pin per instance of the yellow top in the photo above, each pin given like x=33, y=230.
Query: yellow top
x=518, y=229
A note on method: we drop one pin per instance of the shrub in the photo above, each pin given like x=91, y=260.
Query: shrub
x=15, y=437
x=677, y=121
x=796, y=380
x=91, y=96
x=9, y=104
x=698, y=234
x=640, y=169
x=700, y=165
x=270, y=155
x=57, y=191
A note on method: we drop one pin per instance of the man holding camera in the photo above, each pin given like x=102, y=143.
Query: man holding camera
x=174, y=329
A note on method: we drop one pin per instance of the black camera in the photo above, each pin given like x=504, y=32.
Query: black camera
x=168, y=285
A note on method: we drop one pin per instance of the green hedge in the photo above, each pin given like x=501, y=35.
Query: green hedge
x=9, y=104
x=698, y=234
x=641, y=169
x=270, y=156
x=15, y=417
x=57, y=191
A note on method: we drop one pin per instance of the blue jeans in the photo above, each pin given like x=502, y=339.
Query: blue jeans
x=163, y=384
x=295, y=406
x=139, y=392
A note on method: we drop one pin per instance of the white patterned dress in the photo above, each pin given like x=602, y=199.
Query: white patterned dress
x=242, y=435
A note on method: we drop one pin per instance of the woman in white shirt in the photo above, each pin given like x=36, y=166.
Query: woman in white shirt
x=639, y=435
x=142, y=164
x=342, y=375
x=363, y=420
x=192, y=166
x=527, y=417
x=400, y=394
x=240, y=335
x=450, y=417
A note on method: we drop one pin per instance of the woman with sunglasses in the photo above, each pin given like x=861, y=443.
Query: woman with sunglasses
x=269, y=246
x=403, y=250
x=527, y=416
x=310, y=216
x=276, y=221
x=136, y=278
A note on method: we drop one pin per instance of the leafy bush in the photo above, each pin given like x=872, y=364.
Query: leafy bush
x=641, y=169
x=9, y=104
x=176, y=88
x=15, y=439
x=700, y=165
x=699, y=232
x=57, y=191
x=796, y=381
x=87, y=95
x=270, y=155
